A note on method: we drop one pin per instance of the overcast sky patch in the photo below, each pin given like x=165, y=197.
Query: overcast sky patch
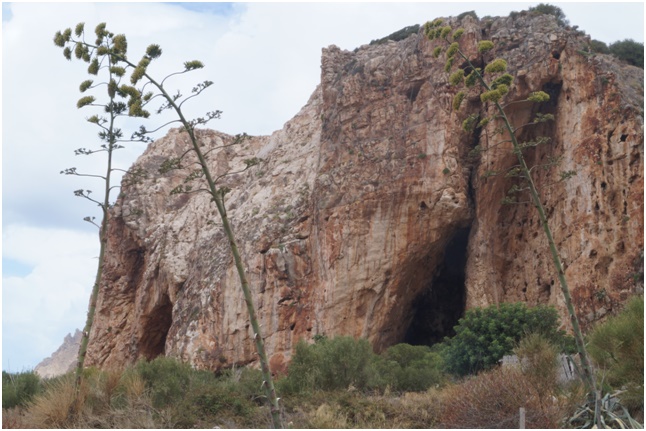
x=223, y=8
x=6, y=12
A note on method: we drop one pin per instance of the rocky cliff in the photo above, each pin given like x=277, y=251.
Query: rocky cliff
x=367, y=216
x=63, y=359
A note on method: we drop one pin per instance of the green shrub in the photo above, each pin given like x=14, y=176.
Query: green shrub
x=469, y=13
x=484, y=335
x=190, y=396
x=539, y=362
x=232, y=394
x=330, y=364
x=629, y=51
x=548, y=9
x=617, y=346
x=398, y=35
x=167, y=379
x=19, y=388
x=409, y=368
x=599, y=47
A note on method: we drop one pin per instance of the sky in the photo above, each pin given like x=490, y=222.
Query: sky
x=264, y=60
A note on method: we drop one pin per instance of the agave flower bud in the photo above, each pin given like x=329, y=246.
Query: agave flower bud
x=491, y=96
x=85, y=85
x=457, y=100
x=153, y=51
x=472, y=78
x=448, y=64
x=195, y=64
x=93, y=69
x=59, y=40
x=452, y=49
x=457, y=77
x=67, y=34
x=429, y=32
x=100, y=30
x=78, y=50
x=485, y=45
x=498, y=65
x=78, y=31
x=118, y=71
x=120, y=44
x=457, y=34
x=84, y=101
x=538, y=96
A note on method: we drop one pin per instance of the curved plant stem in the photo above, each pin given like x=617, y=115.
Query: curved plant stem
x=588, y=376
x=217, y=196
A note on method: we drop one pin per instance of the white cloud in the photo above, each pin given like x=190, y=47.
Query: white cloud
x=41, y=307
x=264, y=59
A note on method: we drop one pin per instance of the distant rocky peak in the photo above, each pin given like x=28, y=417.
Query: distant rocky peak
x=63, y=359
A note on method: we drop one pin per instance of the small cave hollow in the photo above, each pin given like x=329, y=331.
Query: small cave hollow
x=155, y=329
x=437, y=309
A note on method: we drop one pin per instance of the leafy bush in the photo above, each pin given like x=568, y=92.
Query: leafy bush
x=330, y=364
x=167, y=379
x=617, y=346
x=598, y=46
x=398, y=35
x=19, y=388
x=469, y=13
x=629, y=51
x=484, y=335
x=410, y=368
x=548, y=9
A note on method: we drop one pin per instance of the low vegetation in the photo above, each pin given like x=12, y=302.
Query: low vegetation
x=341, y=383
x=398, y=35
x=626, y=50
x=19, y=388
x=617, y=347
x=484, y=335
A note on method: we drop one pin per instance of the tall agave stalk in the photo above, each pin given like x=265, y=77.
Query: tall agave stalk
x=493, y=92
x=110, y=135
x=137, y=101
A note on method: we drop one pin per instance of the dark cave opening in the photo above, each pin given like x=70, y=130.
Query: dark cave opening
x=155, y=329
x=441, y=304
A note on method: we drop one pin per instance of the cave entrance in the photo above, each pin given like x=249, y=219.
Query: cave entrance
x=155, y=329
x=440, y=305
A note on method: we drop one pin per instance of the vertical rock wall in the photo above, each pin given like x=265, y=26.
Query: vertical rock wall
x=367, y=217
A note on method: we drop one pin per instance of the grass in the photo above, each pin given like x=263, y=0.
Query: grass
x=198, y=399
x=333, y=383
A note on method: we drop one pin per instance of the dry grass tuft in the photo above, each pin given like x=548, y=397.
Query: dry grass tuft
x=133, y=385
x=13, y=418
x=493, y=399
x=415, y=410
x=55, y=407
x=328, y=417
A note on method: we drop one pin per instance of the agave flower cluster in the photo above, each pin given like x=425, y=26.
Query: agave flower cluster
x=498, y=82
x=109, y=51
x=495, y=83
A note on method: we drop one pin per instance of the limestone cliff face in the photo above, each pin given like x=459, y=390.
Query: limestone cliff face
x=367, y=217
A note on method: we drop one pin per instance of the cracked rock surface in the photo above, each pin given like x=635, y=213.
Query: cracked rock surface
x=367, y=208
